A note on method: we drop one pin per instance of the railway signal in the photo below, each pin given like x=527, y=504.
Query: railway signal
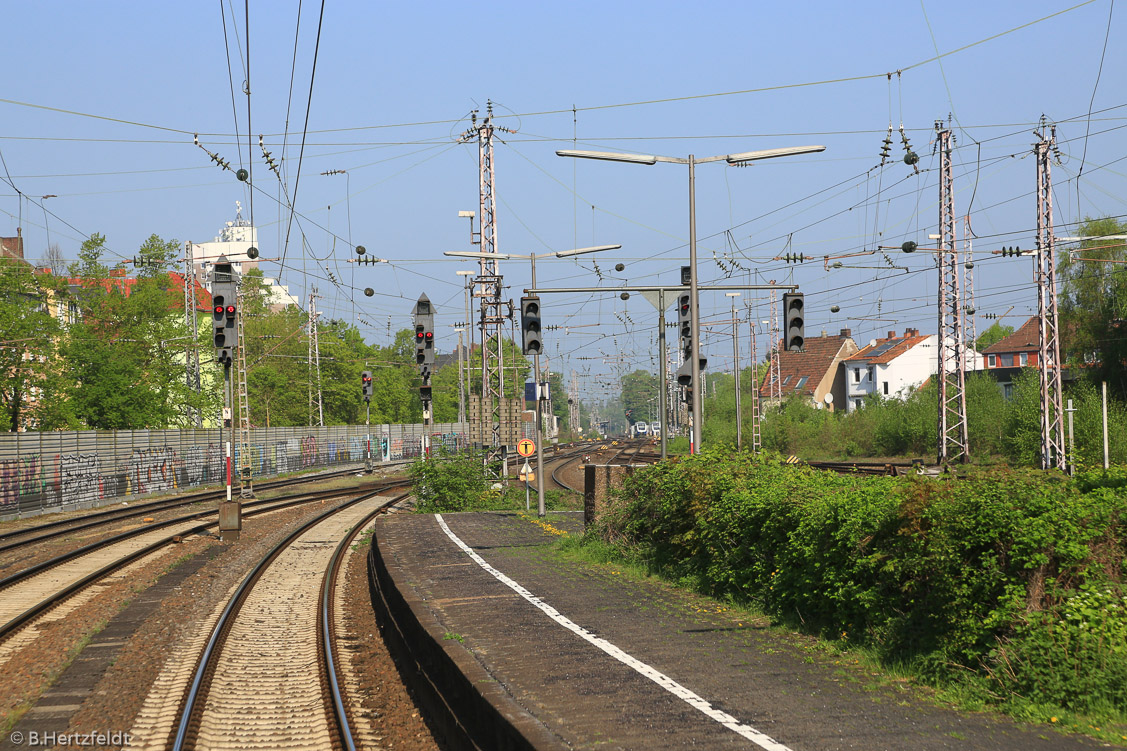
x=223, y=292
x=366, y=385
x=531, y=343
x=424, y=356
x=424, y=331
x=794, y=314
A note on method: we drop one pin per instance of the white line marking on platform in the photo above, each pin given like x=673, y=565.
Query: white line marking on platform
x=670, y=685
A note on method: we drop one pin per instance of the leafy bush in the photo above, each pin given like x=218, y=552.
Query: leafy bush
x=998, y=576
x=458, y=483
x=449, y=483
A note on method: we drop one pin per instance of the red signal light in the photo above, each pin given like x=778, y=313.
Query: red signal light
x=430, y=335
x=230, y=310
x=219, y=309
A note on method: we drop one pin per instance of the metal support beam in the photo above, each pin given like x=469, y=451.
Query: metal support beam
x=1048, y=361
x=952, y=426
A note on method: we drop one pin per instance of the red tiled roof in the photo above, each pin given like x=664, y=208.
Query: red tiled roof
x=819, y=356
x=1025, y=339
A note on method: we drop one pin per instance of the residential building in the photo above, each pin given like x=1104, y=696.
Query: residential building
x=12, y=247
x=1018, y=350
x=233, y=241
x=895, y=366
x=815, y=373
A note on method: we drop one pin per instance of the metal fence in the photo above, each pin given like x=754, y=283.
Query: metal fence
x=44, y=472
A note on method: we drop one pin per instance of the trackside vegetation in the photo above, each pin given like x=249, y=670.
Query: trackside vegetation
x=446, y=483
x=1007, y=585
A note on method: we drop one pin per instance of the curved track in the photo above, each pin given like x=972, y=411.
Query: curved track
x=32, y=591
x=268, y=677
x=18, y=538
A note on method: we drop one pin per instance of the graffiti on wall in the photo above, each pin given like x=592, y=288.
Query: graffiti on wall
x=79, y=478
x=35, y=481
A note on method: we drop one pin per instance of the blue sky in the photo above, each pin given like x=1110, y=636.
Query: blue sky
x=395, y=84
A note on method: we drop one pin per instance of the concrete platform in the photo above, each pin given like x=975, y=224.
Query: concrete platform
x=529, y=650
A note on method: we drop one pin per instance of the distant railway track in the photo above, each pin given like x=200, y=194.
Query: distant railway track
x=267, y=659
x=17, y=538
x=31, y=592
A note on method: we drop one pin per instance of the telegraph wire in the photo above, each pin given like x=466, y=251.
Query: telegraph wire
x=305, y=131
x=1092, y=101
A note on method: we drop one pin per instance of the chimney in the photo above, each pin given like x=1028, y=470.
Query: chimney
x=891, y=334
x=823, y=333
x=846, y=332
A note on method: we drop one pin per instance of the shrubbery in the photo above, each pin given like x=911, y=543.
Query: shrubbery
x=1009, y=581
x=890, y=427
x=446, y=484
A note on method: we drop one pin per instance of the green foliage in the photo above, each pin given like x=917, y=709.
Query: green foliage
x=998, y=429
x=1093, y=304
x=28, y=390
x=123, y=370
x=1010, y=582
x=449, y=483
x=639, y=395
x=991, y=336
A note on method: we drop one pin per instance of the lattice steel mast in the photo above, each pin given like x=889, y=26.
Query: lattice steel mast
x=488, y=287
x=1048, y=360
x=192, y=351
x=756, y=432
x=952, y=429
x=246, y=466
x=315, y=361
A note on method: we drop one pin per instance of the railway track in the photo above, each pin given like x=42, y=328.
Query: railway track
x=32, y=591
x=268, y=675
x=25, y=536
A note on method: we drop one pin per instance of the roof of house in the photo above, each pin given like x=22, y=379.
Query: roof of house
x=884, y=351
x=819, y=355
x=1025, y=339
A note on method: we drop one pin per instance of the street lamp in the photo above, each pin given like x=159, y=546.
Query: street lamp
x=694, y=307
x=463, y=362
x=536, y=357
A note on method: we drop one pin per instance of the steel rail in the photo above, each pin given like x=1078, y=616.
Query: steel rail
x=328, y=632
x=39, y=568
x=202, y=676
x=56, y=598
x=111, y=515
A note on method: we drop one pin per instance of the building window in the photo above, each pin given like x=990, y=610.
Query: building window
x=1007, y=391
x=886, y=388
x=786, y=379
x=991, y=361
x=856, y=375
x=856, y=404
x=801, y=382
x=872, y=374
x=1007, y=361
x=1024, y=359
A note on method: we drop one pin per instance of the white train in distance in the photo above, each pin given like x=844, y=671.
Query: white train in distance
x=644, y=429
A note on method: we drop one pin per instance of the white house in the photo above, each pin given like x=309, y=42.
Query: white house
x=895, y=366
x=233, y=241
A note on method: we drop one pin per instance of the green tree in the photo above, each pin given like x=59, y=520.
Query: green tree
x=639, y=395
x=122, y=356
x=1093, y=303
x=992, y=336
x=29, y=388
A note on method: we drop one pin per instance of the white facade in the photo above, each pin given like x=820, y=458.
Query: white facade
x=233, y=241
x=899, y=376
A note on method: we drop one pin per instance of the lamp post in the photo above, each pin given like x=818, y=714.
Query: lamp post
x=536, y=357
x=694, y=307
x=466, y=326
